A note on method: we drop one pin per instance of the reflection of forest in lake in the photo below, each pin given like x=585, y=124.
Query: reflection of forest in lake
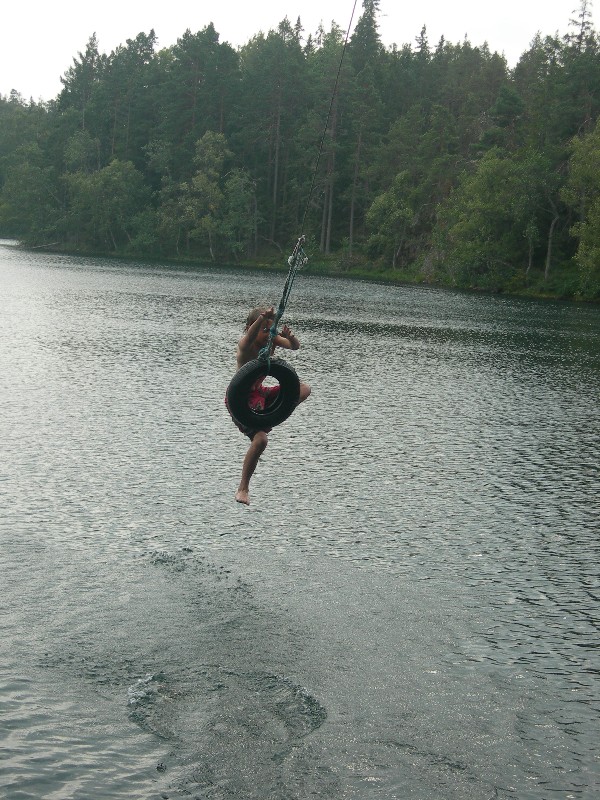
x=407, y=609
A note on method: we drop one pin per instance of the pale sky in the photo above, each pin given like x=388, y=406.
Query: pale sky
x=38, y=40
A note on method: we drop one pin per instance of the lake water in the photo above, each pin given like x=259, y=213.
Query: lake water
x=407, y=610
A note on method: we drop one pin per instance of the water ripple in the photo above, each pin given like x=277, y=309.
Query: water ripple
x=409, y=608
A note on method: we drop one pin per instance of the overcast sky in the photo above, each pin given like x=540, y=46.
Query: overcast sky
x=39, y=39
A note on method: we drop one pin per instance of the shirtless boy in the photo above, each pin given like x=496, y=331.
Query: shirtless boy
x=255, y=337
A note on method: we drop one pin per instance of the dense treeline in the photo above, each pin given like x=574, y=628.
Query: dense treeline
x=438, y=163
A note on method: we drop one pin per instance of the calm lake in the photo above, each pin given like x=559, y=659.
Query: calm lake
x=409, y=608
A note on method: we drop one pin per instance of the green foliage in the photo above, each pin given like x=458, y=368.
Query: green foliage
x=240, y=219
x=82, y=153
x=582, y=193
x=30, y=202
x=389, y=217
x=104, y=205
x=436, y=160
x=201, y=198
x=492, y=226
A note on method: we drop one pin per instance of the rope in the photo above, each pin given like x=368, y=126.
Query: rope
x=296, y=261
x=299, y=259
x=333, y=94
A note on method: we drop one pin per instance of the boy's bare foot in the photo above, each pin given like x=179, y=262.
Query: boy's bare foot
x=243, y=496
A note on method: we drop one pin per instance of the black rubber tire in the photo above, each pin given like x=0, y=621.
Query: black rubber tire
x=278, y=411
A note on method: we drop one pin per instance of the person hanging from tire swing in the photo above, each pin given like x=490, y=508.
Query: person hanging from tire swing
x=260, y=399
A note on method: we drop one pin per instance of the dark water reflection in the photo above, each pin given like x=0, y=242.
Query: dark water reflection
x=408, y=609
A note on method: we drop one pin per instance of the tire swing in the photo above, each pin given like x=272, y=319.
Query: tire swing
x=240, y=386
x=276, y=412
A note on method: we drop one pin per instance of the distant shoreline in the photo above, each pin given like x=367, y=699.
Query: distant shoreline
x=334, y=265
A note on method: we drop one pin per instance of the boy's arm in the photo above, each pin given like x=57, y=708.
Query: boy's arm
x=287, y=340
x=247, y=340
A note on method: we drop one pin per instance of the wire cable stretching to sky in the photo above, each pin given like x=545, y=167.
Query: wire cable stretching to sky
x=337, y=78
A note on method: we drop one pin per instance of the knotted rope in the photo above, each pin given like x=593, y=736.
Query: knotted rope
x=296, y=261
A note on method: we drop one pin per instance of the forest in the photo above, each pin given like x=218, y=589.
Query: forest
x=430, y=162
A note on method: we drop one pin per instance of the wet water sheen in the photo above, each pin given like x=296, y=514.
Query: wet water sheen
x=408, y=609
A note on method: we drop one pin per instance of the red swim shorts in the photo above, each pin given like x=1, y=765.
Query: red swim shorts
x=259, y=398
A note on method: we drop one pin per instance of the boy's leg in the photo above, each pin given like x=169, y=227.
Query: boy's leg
x=304, y=392
x=255, y=451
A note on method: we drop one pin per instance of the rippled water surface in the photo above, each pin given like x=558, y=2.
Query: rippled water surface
x=409, y=607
